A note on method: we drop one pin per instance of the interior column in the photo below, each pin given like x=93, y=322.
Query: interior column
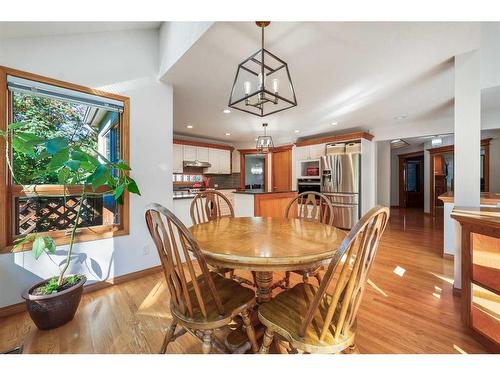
x=467, y=140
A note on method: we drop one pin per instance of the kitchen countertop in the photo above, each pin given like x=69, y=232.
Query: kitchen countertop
x=261, y=191
x=488, y=216
x=486, y=198
x=186, y=194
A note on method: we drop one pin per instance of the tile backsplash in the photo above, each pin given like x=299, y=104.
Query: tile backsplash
x=225, y=181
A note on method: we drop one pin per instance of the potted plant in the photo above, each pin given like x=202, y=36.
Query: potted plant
x=53, y=302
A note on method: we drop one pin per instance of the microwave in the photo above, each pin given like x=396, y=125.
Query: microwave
x=309, y=169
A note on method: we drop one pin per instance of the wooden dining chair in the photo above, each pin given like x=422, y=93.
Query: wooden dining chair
x=201, y=301
x=312, y=206
x=311, y=319
x=212, y=205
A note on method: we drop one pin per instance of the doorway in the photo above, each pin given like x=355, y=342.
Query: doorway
x=255, y=171
x=411, y=180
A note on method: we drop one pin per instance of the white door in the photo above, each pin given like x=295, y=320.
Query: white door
x=224, y=161
x=202, y=153
x=190, y=153
x=178, y=159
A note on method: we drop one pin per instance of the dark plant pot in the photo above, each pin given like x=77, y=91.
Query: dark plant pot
x=56, y=309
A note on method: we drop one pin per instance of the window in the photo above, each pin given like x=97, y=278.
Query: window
x=34, y=202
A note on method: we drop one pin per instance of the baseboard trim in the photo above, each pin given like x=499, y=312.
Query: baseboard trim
x=457, y=291
x=12, y=309
x=21, y=306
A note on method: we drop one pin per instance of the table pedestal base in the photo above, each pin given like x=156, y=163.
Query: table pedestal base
x=264, y=282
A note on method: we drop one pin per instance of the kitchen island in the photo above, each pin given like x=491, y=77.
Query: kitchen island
x=257, y=202
x=450, y=242
x=480, y=266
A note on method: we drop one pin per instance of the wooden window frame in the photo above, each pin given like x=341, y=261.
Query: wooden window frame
x=9, y=191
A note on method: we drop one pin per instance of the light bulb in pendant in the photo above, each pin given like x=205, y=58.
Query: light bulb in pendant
x=247, y=86
x=276, y=85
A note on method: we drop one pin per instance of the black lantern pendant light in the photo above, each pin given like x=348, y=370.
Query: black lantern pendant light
x=264, y=142
x=262, y=84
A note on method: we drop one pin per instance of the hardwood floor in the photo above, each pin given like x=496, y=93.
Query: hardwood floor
x=408, y=306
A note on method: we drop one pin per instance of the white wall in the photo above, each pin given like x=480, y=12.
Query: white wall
x=368, y=180
x=175, y=39
x=383, y=173
x=126, y=63
x=495, y=165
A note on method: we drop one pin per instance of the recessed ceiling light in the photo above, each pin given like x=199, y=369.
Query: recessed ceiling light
x=296, y=131
x=189, y=126
x=226, y=110
x=334, y=123
x=228, y=133
x=396, y=140
x=399, y=117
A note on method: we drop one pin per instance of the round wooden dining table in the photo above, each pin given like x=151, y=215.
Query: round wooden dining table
x=266, y=245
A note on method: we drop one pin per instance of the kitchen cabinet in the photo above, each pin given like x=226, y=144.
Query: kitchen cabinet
x=220, y=161
x=224, y=161
x=190, y=153
x=202, y=154
x=213, y=159
x=178, y=159
x=310, y=152
x=235, y=163
x=317, y=151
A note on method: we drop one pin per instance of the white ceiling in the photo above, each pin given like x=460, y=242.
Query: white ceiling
x=34, y=29
x=361, y=75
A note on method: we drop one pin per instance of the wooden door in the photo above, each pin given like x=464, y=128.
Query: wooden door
x=414, y=182
x=282, y=170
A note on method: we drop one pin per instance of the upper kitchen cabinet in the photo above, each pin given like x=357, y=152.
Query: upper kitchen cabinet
x=224, y=162
x=213, y=159
x=235, y=162
x=220, y=161
x=178, y=158
x=190, y=153
x=310, y=152
x=202, y=154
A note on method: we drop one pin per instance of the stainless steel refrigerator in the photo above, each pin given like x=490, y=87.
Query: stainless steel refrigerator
x=340, y=181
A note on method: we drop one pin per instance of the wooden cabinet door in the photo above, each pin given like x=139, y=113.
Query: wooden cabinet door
x=282, y=170
x=178, y=159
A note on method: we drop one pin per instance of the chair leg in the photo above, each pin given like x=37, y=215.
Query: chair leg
x=254, y=278
x=247, y=324
x=266, y=342
x=305, y=277
x=287, y=279
x=353, y=349
x=168, y=336
x=207, y=342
